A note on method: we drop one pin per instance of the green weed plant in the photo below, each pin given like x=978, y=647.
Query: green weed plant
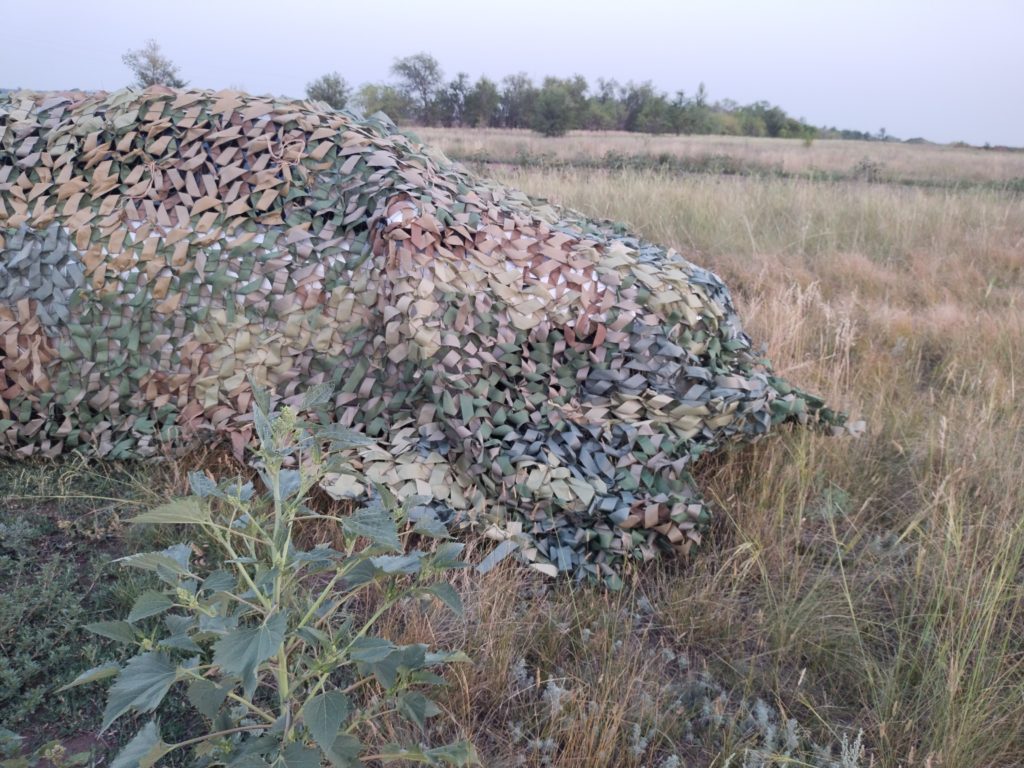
x=274, y=644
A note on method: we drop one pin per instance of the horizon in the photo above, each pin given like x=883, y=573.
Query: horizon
x=942, y=71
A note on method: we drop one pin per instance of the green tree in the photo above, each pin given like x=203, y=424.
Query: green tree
x=552, y=114
x=635, y=100
x=450, y=104
x=331, y=89
x=483, y=104
x=420, y=79
x=694, y=115
x=379, y=97
x=565, y=95
x=604, y=111
x=151, y=67
x=774, y=118
x=518, y=101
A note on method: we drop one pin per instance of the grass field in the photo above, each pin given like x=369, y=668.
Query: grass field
x=858, y=602
x=875, y=160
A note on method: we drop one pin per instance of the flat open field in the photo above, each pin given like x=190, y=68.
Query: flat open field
x=908, y=163
x=857, y=603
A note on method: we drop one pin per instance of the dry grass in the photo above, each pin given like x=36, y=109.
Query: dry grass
x=912, y=162
x=870, y=585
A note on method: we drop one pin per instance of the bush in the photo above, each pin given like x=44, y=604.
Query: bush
x=552, y=115
x=274, y=645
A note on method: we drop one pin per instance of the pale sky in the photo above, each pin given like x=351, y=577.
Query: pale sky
x=946, y=70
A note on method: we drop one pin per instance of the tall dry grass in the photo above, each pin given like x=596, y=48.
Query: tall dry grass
x=870, y=585
x=912, y=162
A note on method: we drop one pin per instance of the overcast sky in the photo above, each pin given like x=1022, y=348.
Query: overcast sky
x=946, y=70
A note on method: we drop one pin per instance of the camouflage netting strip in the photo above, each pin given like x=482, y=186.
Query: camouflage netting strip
x=525, y=368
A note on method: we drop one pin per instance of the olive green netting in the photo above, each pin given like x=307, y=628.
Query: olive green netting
x=516, y=363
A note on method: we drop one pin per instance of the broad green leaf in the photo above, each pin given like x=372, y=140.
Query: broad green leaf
x=141, y=686
x=448, y=556
x=169, y=564
x=319, y=395
x=447, y=657
x=180, y=643
x=207, y=696
x=461, y=754
x=408, y=564
x=178, y=624
x=343, y=438
x=202, y=486
x=297, y=755
x=424, y=677
x=321, y=556
x=149, y=603
x=121, y=631
x=362, y=572
x=251, y=760
x=370, y=649
x=261, y=422
x=446, y=593
x=385, y=660
x=101, y=672
x=323, y=715
x=344, y=752
x=145, y=748
x=499, y=553
x=10, y=744
x=248, y=754
x=241, y=650
x=289, y=482
x=415, y=707
x=392, y=752
x=314, y=636
x=186, y=511
x=431, y=527
x=220, y=581
x=374, y=523
x=260, y=395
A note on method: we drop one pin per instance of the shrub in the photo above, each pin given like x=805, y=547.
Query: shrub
x=276, y=645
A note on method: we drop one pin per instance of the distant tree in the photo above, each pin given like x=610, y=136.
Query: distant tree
x=700, y=99
x=694, y=114
x=566, y=94
x=331, y=89
x=151, y=67
x=483, y=104
x=420, y=79
x=518, y=100
x=635, y=99
x=773, y=118
x=752, y=124
x=657, y=116
x=607, y=90
x=450, y=104
x=602, y=115
x=378, y=97
x=552, y=115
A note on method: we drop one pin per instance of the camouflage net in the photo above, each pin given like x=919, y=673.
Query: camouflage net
x=543, y=376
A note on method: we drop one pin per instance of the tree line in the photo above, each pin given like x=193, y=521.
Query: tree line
x=419, y=94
